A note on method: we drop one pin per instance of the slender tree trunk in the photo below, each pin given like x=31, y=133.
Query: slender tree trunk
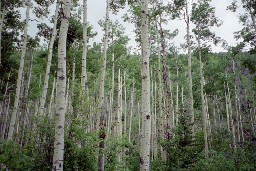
x=131, y=111
x=49, y=62
x=155, y=123
x=1, y=29
x=177, y=96
x=231, y=118
x=52, y=98
x=191, y=101
x=119, y=105
x=125, y=105
x=214, y=114
x=203, y=104
x=7, y=84
x=84, y=74
x=145, y=104
x=227, y=109
x=166, y=88
x=160, y=94
x=58, y=155
x=100, y=118
x=19, y=79
x=237, y=116
x=5, y=119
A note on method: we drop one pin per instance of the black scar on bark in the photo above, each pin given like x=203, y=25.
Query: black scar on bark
x=148, y=116
x=141, y=161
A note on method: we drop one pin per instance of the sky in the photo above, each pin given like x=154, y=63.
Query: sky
x=96, y=12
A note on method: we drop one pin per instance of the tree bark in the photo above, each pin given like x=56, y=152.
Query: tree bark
x=1, y=29
x=203, y=104
x=145, y=104
x=49, y=62
x=191, y=99
x=100, y=125
x=19, y=79
x=85, y=38
x=58, y=155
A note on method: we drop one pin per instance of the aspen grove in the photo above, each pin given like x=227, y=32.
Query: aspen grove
x=160, y=85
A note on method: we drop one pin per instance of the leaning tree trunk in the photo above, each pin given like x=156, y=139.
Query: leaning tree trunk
x=61, y=89
x=145, y=104
x=49, y=61
x=100, y=118
x=19, y=80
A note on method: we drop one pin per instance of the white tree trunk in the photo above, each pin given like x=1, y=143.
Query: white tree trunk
x=191, y=99
x=19, y=79
x=58, y=156
x=49, y=62
x=119, y=105
x=84, y=74
x=131, y=111
x=125, y=105
x=204, y=114
x=52, y=98
x=1, y=29
x=145, y=104
x=100, y=119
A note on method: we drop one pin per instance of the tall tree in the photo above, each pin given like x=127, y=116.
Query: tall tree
x=58, y=156
x=100, y=125
x=203, y=16
x=19, y=79
x=145, y=103
x=85, y=26
x=49, y=61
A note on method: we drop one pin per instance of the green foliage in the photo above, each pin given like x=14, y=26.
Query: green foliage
x=158, y=165
x=182, y=151
x=215, y=163
x=14, y=157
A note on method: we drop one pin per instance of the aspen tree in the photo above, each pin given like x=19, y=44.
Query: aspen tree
x=3, y=131
x=166, y=85
x=125, y=104
x=2, y=16
x=155, y=123
x=52, y=97
x=203, y=16
x=231, y=117
x=100, y=119
x=85, y=38
x=177, y=94
x=204, y=114
x=214, y=113
x=191, y=99
x=131, y=111
x=19, y=79
x=145, y=104
x=119, y=105
x=58, y=156
x=227, y=109
x=160, y=97
x=49, y=61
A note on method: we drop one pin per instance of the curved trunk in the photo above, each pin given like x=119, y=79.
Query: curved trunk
x=61, y=89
